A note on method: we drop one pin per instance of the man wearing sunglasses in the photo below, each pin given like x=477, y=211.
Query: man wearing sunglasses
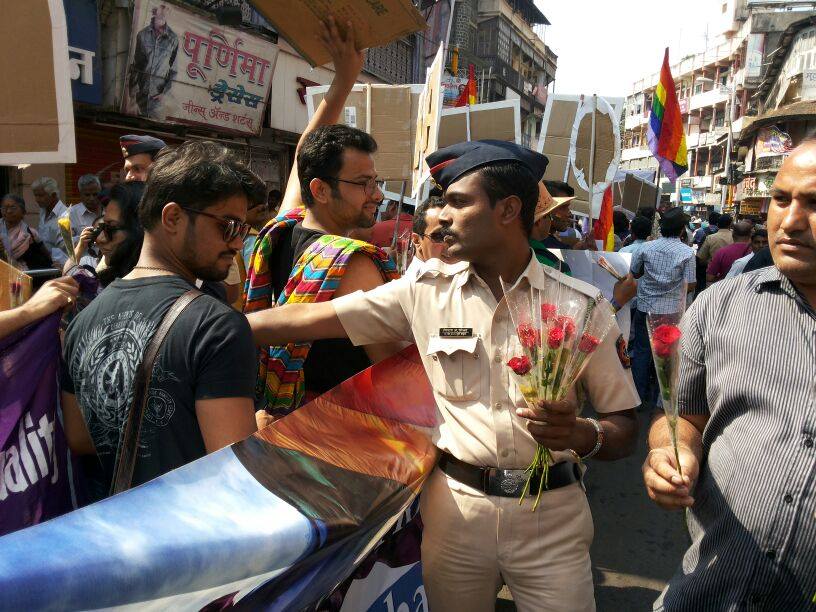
x=306, y=252
x=200, y=396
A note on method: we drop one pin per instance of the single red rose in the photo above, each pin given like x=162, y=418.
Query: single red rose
x=661, y=349
x=588, y=343
x=548, y=312
x=555, y=337
x=666, y=334
x=520, y=365
x=567, y=324
x=529, y=336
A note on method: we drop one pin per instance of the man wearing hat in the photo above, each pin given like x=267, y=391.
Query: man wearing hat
x=666, y=271
x=476, y=534
x=542, y=226
x=139, y=152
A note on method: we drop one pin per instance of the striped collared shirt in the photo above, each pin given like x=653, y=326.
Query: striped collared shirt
x=667, y=265
x=748, y=362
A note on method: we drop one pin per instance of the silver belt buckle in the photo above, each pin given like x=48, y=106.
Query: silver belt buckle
x=509, y=482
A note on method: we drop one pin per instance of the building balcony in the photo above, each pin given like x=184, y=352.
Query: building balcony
x=635, y=153
x=702, y=182
x=717, y=95
x=510, y=77
x=635, y=121
x=522, y=15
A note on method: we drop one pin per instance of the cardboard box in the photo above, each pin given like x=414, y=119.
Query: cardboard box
x=391, y=120
x=376, y=22
x=566, y=139
x=429, y=113
x=389, y=113
x=37, y=113
x=9, y=274
x=494, y=120
x=636, y=194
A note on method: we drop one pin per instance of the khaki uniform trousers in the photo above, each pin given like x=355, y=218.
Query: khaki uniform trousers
x=472, y=542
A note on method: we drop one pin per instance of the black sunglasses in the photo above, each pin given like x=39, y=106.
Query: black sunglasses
x=106, y=228
x=232, y=227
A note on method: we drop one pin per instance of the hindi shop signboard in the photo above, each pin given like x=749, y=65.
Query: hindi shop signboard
x=183, y=68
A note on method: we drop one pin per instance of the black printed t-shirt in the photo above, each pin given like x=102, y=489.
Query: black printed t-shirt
x=329, y=362
x=207, y=354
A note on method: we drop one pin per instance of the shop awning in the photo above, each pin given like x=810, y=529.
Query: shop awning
x=798, y=111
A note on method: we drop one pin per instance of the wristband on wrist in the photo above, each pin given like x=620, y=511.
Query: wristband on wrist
x=615, y=304
x=599, y=439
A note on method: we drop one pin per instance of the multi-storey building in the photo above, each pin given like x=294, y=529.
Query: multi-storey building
x=716, y=89
x=787, y=115
x=504, y=40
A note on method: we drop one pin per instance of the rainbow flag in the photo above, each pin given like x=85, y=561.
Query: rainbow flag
x=468, y=95
x=604, y=228
x=667, y=139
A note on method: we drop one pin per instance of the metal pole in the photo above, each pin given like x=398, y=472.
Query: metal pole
x=399, y=212
x=657, y=184
x=591, y=181
x=467, y=121
x=730, y=140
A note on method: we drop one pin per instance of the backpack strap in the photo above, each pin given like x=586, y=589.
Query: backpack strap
x=129, y=442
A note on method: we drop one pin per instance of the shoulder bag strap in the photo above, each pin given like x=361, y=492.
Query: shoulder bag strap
x=126, y=457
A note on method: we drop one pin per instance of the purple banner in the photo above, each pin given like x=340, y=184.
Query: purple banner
x=34, y=484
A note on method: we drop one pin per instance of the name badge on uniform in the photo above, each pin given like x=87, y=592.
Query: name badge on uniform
x=456, y=332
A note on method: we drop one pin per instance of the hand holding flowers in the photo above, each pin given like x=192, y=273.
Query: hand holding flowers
x=552, y=423
x=667, y=484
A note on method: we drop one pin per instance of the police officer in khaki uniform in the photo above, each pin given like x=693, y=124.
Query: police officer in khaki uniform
x=476, y=534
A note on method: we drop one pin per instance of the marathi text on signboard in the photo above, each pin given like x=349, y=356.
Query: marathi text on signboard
x=183, y=68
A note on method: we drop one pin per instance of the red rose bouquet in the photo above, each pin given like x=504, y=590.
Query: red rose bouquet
x=558, y=330
x=664, y=337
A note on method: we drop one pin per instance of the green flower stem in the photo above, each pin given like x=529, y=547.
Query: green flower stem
x=540, y=464
x=663, y=367
x=673, y=431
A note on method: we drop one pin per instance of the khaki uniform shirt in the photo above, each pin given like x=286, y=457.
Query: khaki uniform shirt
x=713, y=243
x=470, y=378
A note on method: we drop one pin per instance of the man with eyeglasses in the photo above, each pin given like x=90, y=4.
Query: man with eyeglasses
x=306, y=254
x=200, y=396
x=426, y=235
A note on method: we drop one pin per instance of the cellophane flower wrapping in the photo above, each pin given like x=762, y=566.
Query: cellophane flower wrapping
x=664, y=338
x=558, y=329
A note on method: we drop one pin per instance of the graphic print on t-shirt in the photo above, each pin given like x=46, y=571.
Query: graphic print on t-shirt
x=107, y=358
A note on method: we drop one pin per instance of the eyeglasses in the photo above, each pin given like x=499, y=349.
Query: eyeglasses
x=371, y=186
x=232, y=227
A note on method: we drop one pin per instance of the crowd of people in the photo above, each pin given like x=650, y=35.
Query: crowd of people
x=192, y=231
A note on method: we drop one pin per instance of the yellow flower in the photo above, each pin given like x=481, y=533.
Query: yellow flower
x=65, y=223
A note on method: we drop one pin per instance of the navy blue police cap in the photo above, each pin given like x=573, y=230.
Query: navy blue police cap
x=133, y=144
x=449, y=164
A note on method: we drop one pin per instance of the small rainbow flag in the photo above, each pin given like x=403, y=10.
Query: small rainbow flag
x=667, y=139
x=604, y=228
x=468, y=95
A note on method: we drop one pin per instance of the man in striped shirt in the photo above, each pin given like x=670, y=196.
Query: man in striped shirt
x=747, y=425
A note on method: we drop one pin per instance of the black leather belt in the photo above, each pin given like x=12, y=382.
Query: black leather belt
x=507, y=483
